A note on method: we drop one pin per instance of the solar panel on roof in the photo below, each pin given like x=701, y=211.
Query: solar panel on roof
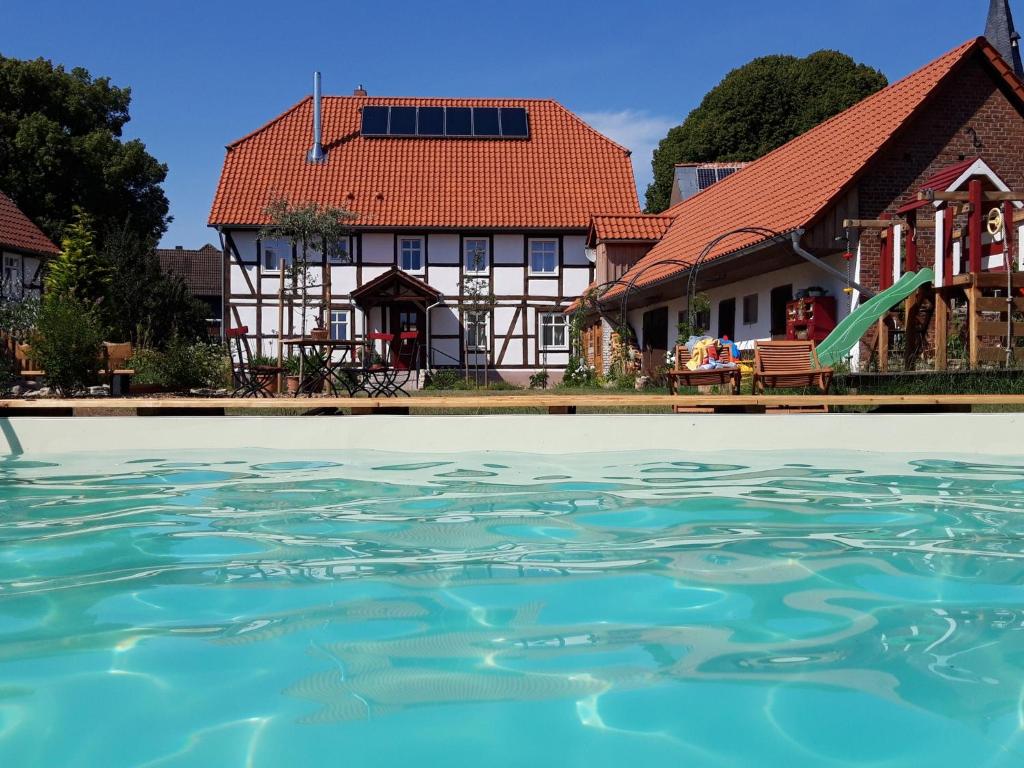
x=403, y=121
x=431, y=121
x=458, y=121
x=375, y=121
x=485, y=121
x=706, y=177
x=462, y=122
x=723, y=172
x=514, y=123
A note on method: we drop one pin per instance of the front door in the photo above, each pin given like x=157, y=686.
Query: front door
x=727, y=319
x=406, y=317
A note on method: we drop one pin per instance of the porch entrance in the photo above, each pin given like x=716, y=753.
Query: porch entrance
x=406, y=317
x=396, y=303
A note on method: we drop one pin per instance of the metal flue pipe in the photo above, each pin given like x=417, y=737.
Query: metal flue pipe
x=316, y=153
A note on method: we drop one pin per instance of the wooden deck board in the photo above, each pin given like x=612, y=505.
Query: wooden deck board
x=505, y=402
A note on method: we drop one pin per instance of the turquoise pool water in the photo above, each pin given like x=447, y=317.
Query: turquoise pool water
x=291, y=609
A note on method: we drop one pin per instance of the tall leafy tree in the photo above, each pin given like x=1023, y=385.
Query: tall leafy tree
x=760, y=107
x=78, y=271
x=61, y=146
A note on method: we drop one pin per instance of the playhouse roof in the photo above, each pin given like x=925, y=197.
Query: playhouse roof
x=796, y=184
x=554, y=178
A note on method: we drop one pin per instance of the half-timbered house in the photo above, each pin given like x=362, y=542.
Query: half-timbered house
x=24, y=248
x=471, y=222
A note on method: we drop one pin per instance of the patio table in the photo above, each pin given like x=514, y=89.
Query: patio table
x=319, y=366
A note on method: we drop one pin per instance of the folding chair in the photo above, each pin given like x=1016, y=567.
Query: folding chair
x=250, y=380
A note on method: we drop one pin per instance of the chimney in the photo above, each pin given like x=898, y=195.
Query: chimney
x=316, y=153
x=359, y=91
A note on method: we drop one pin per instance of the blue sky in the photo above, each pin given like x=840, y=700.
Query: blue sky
x=205, y=73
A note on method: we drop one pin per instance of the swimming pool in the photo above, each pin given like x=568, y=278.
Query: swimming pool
x=283, y=608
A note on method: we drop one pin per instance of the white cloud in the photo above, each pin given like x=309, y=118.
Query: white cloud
x=639, y=131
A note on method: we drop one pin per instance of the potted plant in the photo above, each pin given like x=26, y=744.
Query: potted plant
x=319, y=332
x=291, y=370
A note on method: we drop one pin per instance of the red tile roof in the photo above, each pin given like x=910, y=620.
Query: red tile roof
x=794, y=185
x=554, y=180
x=640, y=227
x=18, y=233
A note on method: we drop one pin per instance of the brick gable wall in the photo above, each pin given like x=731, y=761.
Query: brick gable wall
x=936, y=139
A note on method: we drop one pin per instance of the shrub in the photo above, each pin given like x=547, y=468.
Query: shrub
x=539, y=380
x=182, y=366
x=445, y=378
x=67, y=342
x=578, y=373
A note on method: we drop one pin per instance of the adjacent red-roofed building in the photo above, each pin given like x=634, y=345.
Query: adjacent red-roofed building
x=24, y=248
x=959, y=118
x=500, y=191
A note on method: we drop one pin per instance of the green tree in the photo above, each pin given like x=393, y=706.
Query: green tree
x=307, y=226
x=760, y=107
x=67, y=342
x=61, y=147
x=143, y=305
x=78, y=270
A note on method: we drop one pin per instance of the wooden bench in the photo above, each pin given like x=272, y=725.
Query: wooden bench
x=680, y=375
x=113, y=360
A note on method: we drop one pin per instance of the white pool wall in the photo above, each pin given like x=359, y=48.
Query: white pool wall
x=962, y=435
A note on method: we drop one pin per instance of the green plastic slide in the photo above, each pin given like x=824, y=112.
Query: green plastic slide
x=848, y=333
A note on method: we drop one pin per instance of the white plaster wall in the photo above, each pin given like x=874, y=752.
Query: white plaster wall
x=371, y=272
x=575, y=281
x=508, y=281
x=442, y=249
x=444, y=279
x=542, y=288
x=445, y=352
x=575, y=253
x=245, y=242
x=343, y=280
x=237, y=278
x=378, y=248
x=508, y=249
x=799, y=276
x=444, y=320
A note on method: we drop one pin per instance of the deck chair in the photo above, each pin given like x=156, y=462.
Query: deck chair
x=250, y=380
x=789, y=365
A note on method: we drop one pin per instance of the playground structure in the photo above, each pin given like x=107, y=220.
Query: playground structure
x=968, y=310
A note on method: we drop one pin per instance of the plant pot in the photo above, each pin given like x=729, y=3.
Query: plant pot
x=320, y=334
x=293, y=384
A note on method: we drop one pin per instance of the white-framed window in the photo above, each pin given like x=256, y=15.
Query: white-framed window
x=341, y=253
x=275, y=254
x=543, y=256
x=340, y=324
x=476, y=254
x=476, y=331
x=410, y=254
x=554, y=331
